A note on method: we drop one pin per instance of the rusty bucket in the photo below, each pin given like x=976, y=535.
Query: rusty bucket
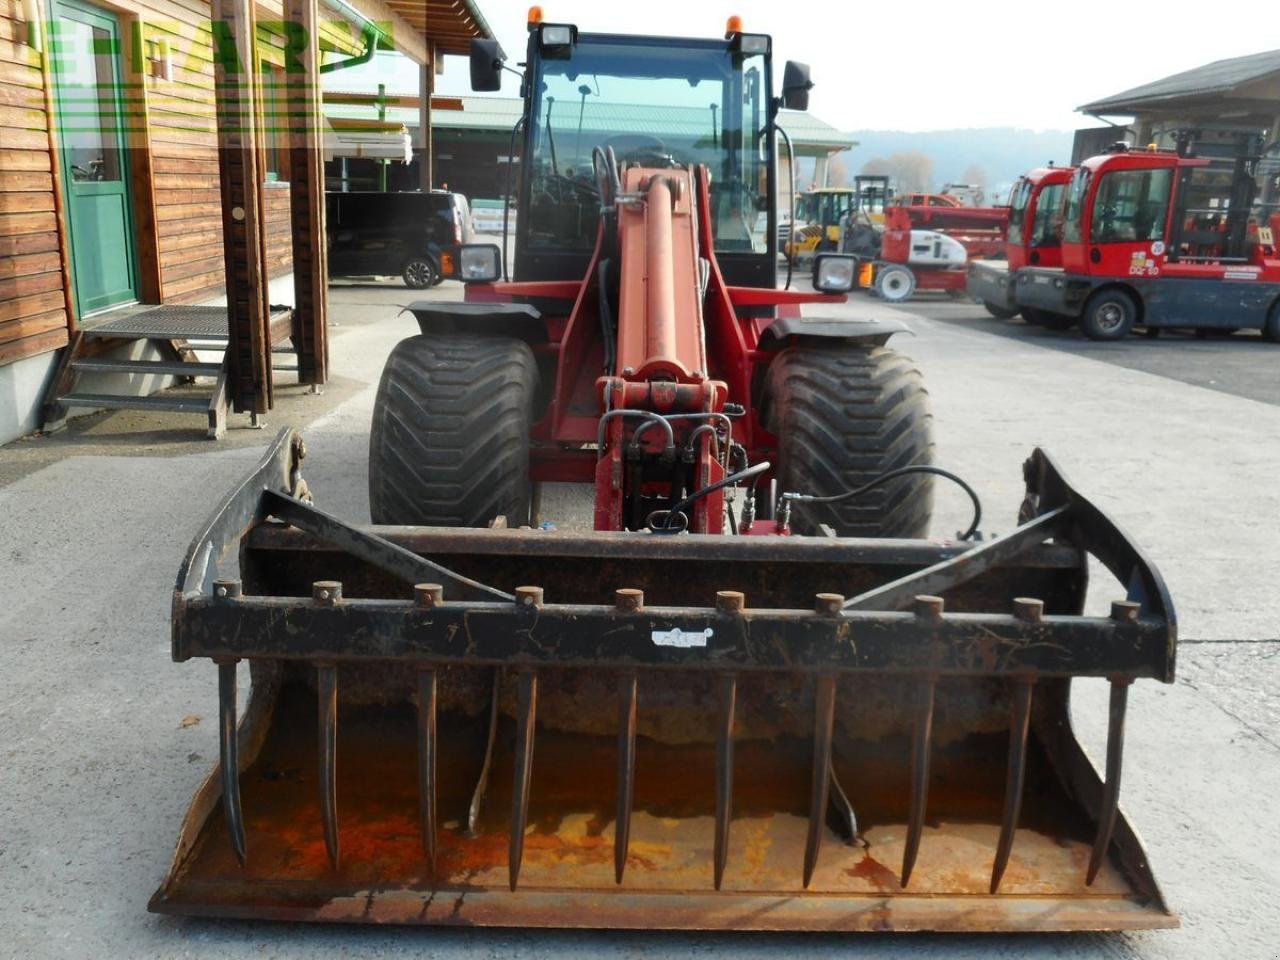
x=532, y=728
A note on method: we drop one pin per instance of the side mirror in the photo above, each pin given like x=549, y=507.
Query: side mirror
x=486, y=66
x=795, y=86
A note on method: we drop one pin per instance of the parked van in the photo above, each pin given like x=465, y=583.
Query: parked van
x=413, y=235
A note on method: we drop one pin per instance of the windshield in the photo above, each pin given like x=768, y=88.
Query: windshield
x=1018, y=210
x=1044, y=232
x=657, y=105
x=1131, y=206
x=1071, y=229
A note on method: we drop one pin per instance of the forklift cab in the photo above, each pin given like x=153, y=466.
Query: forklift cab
x=872, y=196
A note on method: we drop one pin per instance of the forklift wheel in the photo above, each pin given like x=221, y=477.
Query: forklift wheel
x=1109, y=315
x=1271, y=329
x=999, y=312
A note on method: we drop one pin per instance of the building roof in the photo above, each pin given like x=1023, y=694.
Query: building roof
x=499, y=114
x=450, y=24
x=1213, y=79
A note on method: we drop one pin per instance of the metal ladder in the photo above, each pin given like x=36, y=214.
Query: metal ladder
x=179, y=334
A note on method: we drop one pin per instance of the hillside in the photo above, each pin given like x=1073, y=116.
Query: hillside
x=1002, y=153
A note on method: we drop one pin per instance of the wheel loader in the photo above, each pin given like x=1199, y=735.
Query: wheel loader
x=757, y=695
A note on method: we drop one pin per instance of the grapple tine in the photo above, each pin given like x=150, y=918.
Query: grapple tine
x=921, y=744
x=1014, y=778
x=820, y=789
x=327, y=677
x=427, y=762
x=482, y=782
x=724, y=772
x=229, y=752
x=1111, y=792
x=844, y=806
x=626, y=771
x=527, y=708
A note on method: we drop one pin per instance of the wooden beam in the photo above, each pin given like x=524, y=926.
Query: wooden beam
x=141, y=172
x=406, y=100
x=248, y=355
x=307, y=196
x=426, y=158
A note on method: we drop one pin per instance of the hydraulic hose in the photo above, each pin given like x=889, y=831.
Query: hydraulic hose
x=884, y=478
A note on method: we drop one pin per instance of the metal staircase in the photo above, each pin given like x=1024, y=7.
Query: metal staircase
x=178, y=334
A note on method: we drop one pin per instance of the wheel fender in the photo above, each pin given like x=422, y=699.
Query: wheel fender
x=518, y=320
x=874, y=330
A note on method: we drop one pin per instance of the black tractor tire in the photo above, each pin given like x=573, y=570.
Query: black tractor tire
x=999, y=312
x=1271, y=329
x=449, y=444
x=418, y=273
x=844, y=414
x=1109, y=315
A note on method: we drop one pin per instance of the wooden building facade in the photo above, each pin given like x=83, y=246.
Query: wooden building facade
x=109, y=156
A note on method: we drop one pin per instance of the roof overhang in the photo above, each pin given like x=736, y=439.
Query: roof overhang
x=416, y=27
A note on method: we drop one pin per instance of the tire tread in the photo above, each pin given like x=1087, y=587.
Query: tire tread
x=449, y=443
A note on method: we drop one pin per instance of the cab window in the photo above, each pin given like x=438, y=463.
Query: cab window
x=1074, y=212
x=1044, y=231
x=1131, y=206
x=1018, y=211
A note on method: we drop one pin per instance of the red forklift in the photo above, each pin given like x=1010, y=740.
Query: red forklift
x=1033, y=239
x=1163, y=239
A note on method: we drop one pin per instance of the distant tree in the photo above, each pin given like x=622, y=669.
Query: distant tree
x=975, y=174
x=876, y=167
x=912, y=171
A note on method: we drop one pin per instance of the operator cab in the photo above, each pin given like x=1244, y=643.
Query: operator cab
x=657, y=102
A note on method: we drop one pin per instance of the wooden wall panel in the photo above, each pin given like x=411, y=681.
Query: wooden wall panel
x=180, y=242
x=33, y=316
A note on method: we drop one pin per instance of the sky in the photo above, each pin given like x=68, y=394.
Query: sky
x=933, y=65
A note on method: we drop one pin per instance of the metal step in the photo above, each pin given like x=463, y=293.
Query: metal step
x=170, y=368
x=173, y=404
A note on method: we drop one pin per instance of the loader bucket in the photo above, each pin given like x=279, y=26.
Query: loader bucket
x=532, y=728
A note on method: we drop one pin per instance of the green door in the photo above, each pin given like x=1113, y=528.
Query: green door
x=85, y=57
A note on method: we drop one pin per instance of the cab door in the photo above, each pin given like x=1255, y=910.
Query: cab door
x=1129, y=222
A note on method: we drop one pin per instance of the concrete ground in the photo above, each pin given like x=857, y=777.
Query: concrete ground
x=104, y=740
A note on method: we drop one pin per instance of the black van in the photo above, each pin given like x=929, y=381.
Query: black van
x=415, y=235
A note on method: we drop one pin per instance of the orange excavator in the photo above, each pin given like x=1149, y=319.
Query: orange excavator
x=763, y=692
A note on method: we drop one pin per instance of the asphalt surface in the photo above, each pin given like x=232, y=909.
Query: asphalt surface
x=104, y=740
x=1241, y=364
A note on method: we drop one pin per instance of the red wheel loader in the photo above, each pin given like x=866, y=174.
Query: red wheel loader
x=1161, y=239
x=1034, y=239
x=755, y=696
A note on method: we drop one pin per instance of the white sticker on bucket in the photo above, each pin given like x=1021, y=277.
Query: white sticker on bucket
x=678, y=638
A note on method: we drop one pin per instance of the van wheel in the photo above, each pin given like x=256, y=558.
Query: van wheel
x=1109, y=315
x=420, y=273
